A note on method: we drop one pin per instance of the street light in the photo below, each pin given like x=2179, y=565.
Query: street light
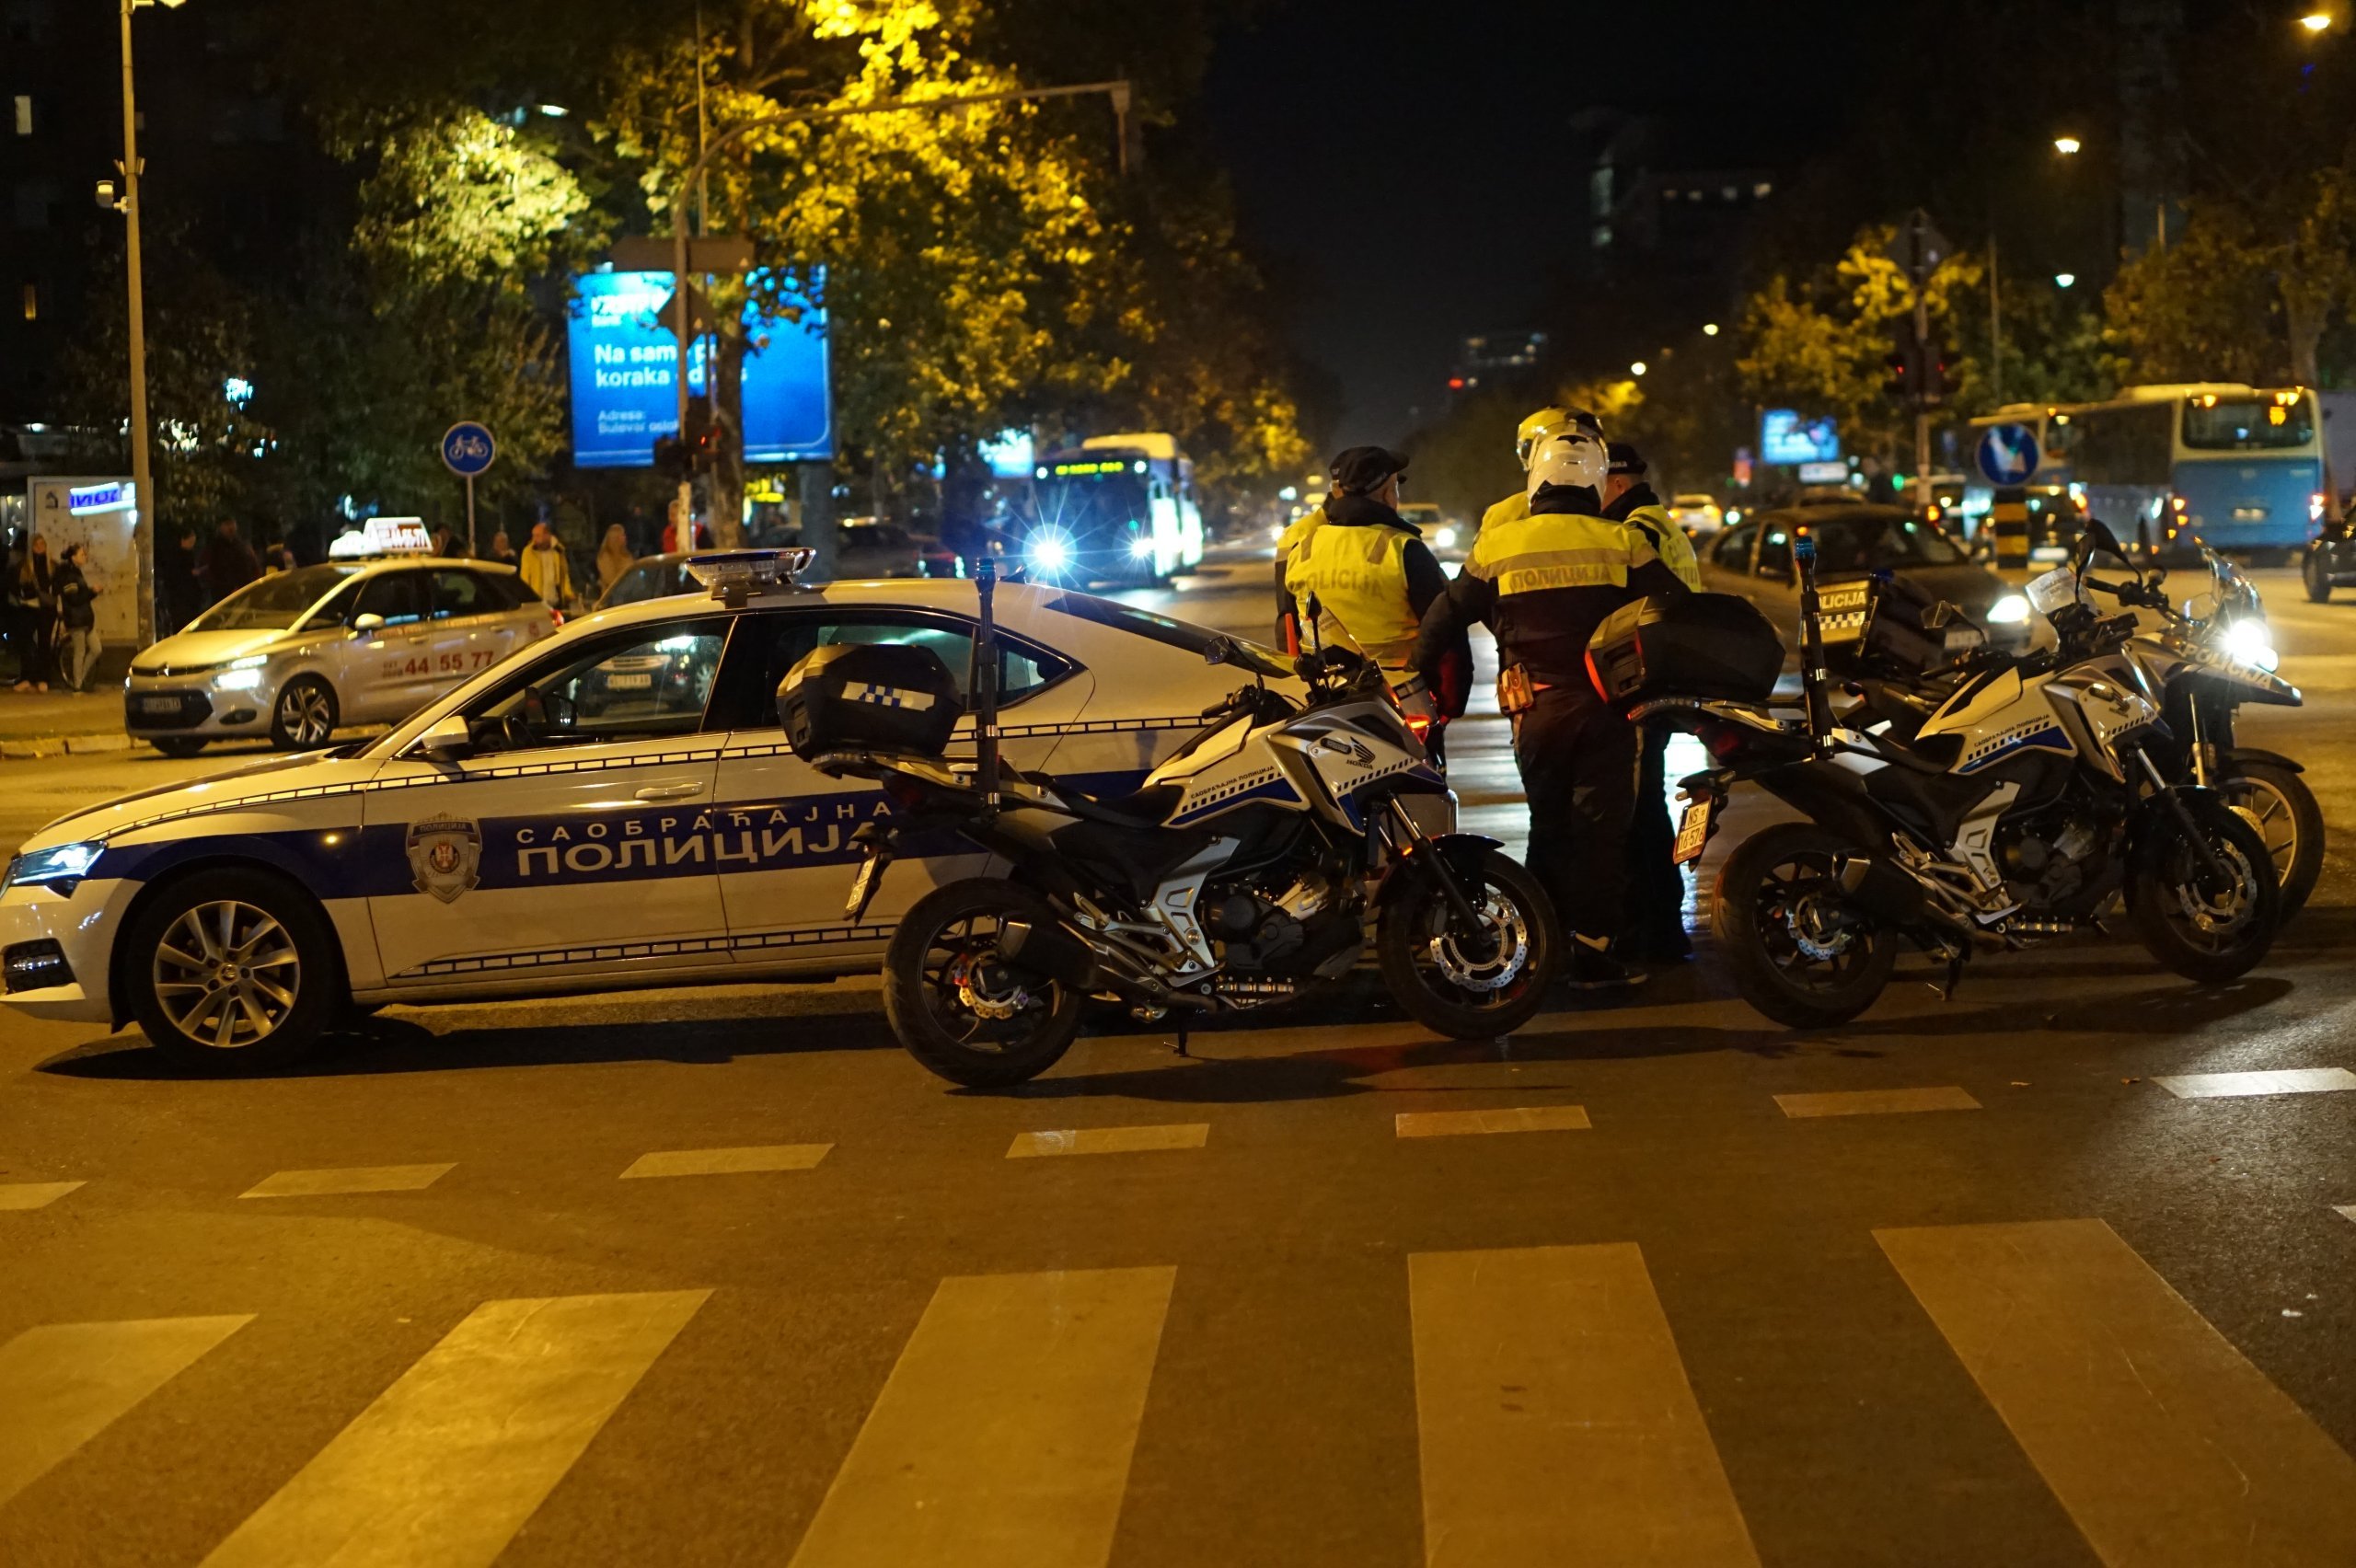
x=143, y=489
x=1709, y=329
x=1637, y=368
x=2067, y=146
x=2064, y=280
x=2316, y=21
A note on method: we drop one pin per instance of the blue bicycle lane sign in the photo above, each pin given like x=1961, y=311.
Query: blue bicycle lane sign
x=467, y=449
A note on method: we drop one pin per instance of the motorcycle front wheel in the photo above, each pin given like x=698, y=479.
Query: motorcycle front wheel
x=2200, y=927
x=1798, y=953
x=2276, y=802
x=1467, y=984
x=966, y=1012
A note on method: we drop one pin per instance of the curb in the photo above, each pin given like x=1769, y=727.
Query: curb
x=81, y=744
x=23, y=748
x=50, y=745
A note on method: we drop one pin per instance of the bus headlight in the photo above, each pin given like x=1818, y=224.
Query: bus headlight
x=1140, y=547
x=2010, y=610
x=1049, y=551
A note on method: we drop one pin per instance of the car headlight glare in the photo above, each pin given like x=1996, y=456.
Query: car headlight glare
x=1050, y=552
x=2250, y=642
x=64, y=863
x=1445, y=538
x=2010, y=610
x=1140, y=547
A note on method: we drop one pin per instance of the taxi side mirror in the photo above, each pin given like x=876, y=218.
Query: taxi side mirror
x=449, y=739
x=363, y=626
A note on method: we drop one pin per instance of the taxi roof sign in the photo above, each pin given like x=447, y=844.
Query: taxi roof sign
x=382, y=536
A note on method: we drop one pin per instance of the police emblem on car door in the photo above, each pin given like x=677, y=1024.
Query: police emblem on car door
x=445, y=857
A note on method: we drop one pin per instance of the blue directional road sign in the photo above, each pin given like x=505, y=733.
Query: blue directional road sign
x=467, y=449
x=2008, y=454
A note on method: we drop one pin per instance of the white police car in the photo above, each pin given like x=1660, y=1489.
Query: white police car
x=613, y=806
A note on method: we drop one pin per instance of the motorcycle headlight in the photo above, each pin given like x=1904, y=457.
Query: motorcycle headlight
x=2010, y=610
x=2250, y=642
x=39, y=868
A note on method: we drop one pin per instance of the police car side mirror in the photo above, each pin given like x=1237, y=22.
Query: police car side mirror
x=363, y=626
x=448, y=739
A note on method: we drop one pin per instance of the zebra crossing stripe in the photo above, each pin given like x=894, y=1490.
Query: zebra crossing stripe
x=63, y=1384
x=2167, y=1446
x=727, y=1161
x=2277, y=1080
x=1515, y=1118
x=1108, y=1140
x=1556, y=1420
x=448, y=1464
x=348, y=1179
x=1002, y=1437
x=33, y=1194
x=1874, y=1101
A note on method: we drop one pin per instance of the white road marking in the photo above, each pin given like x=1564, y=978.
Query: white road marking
x=1557, y=1423
x=2347, y=1211
x=1876, y=1101
x=2167, y=1446
x=448, y=1464
x=63, y=1384
x=1108, y=1140
x=2281, y=1080
x=1518, y=1119
x=1002, y=1438
x=33, y=1194
x=728, y=1161
x=348, y=1179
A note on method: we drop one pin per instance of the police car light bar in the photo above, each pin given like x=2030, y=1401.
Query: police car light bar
x=746, y=573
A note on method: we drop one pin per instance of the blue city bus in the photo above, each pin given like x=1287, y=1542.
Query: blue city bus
x=1114, y=509
x=2242, y=467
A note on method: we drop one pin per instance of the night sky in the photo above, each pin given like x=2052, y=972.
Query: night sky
x=1399, y=166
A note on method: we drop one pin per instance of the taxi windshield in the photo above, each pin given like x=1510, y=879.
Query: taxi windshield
x=273, y=604
x=1863, y=544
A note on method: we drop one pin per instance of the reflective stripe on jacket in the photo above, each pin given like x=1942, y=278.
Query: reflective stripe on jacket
x=1359, y=575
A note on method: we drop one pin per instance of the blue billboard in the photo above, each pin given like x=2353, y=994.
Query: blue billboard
x=1786, y=437
x=623, y=357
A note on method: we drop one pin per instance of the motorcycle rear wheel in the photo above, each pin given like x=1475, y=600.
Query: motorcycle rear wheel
x=1770, y=894
x=2202, y=932
x=1461, y=988
x=968, y=1014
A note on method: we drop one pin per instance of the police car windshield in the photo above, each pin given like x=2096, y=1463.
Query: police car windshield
x=1862, y=544
x=273, y=604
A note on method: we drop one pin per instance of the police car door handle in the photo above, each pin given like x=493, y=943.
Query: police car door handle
x=670, y=791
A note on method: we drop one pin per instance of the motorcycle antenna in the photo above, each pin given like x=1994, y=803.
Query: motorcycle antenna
x=1812, y=673
x=981, y=682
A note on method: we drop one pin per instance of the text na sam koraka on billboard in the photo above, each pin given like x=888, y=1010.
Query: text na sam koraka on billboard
x=623, y=356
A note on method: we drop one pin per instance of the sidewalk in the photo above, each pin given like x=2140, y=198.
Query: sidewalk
x=47, y=723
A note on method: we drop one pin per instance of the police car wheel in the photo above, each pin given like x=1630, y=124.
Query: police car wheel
x=232, y=970
x=303, y=716
x=179, y=745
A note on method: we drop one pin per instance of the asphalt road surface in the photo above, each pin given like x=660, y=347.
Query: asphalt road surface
x=2062, y=1271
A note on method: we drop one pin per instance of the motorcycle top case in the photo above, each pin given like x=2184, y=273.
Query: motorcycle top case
x=1706, y=645
x=869, y=696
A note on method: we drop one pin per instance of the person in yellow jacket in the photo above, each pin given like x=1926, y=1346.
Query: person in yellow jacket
x=1372, y=576
x=1655, y=925
x=1296, y=534
x=1544, y=583
x=1525, y=440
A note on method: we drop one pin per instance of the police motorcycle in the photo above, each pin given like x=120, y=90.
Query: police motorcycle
x=1243, y=873
x=2031, y=795
x=2207, y=658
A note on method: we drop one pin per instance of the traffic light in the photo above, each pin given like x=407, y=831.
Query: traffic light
x=1898, y=380
x=1916, y=369
x=671, y=458
x=695, y=450
x=1935, y=373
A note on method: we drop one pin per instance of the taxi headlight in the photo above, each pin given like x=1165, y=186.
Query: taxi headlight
x=2010, y=610
x=40, y=867
x=241, y=674
x=1445, y=538
x=2251, y=643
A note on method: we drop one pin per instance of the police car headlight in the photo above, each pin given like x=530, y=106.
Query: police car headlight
x=2251, y=643
x=1140, y=547
x=2010, y=610
x=39, y=868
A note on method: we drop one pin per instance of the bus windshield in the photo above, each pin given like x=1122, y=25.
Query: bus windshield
x=1082, y=504
x=2246, y=424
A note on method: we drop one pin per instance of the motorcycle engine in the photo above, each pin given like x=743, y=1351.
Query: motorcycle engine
x=2048, y=856
x=1269, y=926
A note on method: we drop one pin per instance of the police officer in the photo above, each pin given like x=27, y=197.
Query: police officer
x=1656, y=914
x=1525, y=440
x=1373, y=577
x=1542, y=583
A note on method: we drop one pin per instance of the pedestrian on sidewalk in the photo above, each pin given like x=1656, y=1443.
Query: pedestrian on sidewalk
x=546, y=568
x=77, y=617
x=37, y=592
x=614, y=558
x=229, y=562
x=502, y=550
x=179, y=595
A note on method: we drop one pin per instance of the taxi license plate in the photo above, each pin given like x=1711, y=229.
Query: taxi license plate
x=629, y=683
x=159, y=704
x=1693, y=833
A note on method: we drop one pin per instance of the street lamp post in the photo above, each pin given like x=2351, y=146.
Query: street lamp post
x=688, y=182
x=143, y=489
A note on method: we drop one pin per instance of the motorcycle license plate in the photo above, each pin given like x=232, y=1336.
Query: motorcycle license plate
x=1693, y=833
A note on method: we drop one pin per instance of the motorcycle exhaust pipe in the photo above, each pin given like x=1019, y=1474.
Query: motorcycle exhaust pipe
x=1053, y=952
x=1888, y=894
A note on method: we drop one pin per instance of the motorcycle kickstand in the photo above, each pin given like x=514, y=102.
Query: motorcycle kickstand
x=1954, y=977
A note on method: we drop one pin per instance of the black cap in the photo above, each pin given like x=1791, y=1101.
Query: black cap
x=1625, y=459
x=1363, y=468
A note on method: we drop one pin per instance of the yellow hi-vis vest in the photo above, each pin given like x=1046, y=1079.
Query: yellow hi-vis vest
x=1514, y=506
x=1359, y=575
x=1558, y=549
x=1676, y=549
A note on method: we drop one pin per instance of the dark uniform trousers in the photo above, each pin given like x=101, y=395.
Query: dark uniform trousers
x=1578, y=769
x=1655, y=884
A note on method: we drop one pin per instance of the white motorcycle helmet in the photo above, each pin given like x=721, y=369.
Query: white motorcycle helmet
x=1573, y=455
